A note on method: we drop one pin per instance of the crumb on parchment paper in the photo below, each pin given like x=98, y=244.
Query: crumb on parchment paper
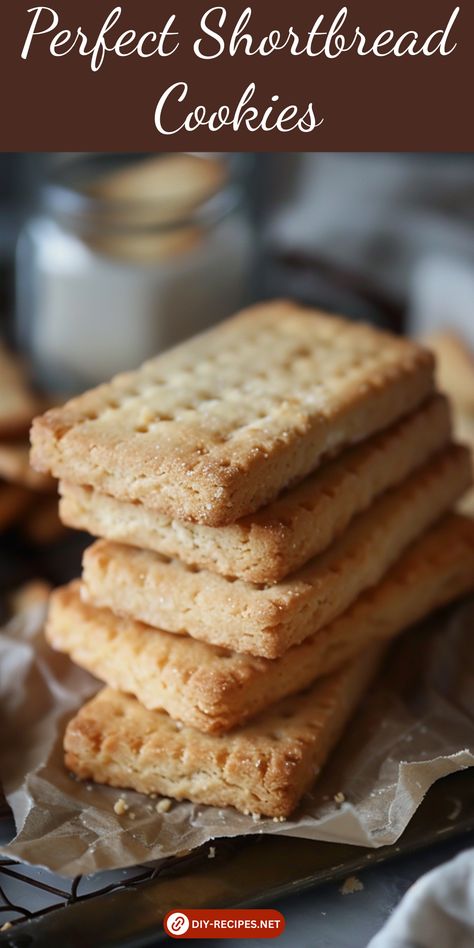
x=164, y=805
x=120, y=806
x=212, y=852
x=339, y=797
x=350, y=885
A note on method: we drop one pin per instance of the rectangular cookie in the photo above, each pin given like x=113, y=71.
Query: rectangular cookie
x=15, y=467
x=275, y=541
x=215, y=428
x=214, y=690
x=264, y=767
x=267, y=619
x=17, y=404
x=454, y=368
x=455, y=373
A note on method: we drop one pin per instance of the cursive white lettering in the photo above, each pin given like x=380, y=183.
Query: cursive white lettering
x=38, y=11
x=198, y=44
x=246, y=114
x=327, y=38
x=128, y=43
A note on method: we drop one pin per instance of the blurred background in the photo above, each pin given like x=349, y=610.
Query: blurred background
x=107, y=259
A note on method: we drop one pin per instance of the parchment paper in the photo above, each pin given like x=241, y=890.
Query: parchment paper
x=416, y=726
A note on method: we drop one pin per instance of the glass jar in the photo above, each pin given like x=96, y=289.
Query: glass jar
x=127, y=257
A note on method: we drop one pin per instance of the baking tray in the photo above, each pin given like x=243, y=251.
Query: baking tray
x=125, y=910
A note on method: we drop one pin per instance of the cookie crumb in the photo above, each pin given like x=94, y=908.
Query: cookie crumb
x=350, y=885
x=256, y=817
x=339, y=797
x=120, y=806
x=278, y=819
x=212, y=852
x=132, y=816
x=163, y=806
x=6, y=926
x=153, y=796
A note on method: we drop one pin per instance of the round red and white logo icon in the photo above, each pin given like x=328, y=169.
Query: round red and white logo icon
x=176, y=923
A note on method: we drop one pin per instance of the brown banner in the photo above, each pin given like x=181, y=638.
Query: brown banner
x=195, y=75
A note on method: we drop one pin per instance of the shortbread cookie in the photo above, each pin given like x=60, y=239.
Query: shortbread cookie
x=161, y=187
x=276, y=540
x=153, y=193
x=13, y=502
x=464, y=426
x=454, y=368
x=15, y=467
x=215, y=428
x=455, y=372
x=266, y=620
x=264, y=767
x=213, y=689
x=17, y=404
x=32, y=595
x=466, y=505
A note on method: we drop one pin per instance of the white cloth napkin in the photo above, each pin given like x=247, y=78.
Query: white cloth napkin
x=436, y=912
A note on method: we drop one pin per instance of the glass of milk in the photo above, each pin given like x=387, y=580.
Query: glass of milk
x=127, y=257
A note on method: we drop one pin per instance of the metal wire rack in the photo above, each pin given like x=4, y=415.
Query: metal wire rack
x=32, y=892
x=27, y=892
x=48, y=896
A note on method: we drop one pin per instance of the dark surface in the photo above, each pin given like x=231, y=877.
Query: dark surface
x=324, y=918
x=300, y=878
x=21, y=562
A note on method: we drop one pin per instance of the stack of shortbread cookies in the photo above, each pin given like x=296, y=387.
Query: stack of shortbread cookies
x=273, y=500
x=23, y=491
